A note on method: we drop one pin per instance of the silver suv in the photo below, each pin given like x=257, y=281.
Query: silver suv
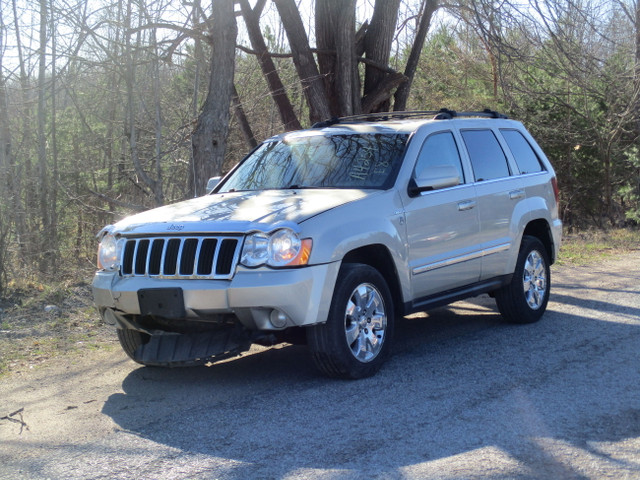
x=325, y=236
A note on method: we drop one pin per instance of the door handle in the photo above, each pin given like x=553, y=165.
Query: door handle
x=516, y=194
x=466, y=205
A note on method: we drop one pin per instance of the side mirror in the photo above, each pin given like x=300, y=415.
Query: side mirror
x=212, y=183
x=435, y=178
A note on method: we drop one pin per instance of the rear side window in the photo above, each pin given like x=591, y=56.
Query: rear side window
x=487, y=158
x=526, y=158
x=439, y=149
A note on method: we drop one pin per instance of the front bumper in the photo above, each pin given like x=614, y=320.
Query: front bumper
x=303, y=295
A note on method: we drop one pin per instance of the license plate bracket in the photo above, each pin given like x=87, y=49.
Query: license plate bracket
x=162, y=302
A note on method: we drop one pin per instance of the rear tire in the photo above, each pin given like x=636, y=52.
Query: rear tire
x=357, y=337
x=130, y=340
x=525, y=299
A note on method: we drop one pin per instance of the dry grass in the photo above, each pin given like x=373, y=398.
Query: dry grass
x=591, y=246
x=30, y=335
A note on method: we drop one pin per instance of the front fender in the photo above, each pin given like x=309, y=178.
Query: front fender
x=379, y=221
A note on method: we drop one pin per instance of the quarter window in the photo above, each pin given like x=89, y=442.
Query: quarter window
x=439, y=149
x=487, y=158
x=525, y=156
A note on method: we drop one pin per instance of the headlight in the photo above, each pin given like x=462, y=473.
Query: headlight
x=282, y=248
x=256, y=250
x=108, y=253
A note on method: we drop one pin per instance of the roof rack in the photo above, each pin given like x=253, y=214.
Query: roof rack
x=442, y=114
x=446, y=114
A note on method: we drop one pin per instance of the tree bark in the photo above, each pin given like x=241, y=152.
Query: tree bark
x=5, y=133
x=43, y=190
x=402, y=94
x=304, y=62
x=377, y=47
x=6, y=194
x=347, y=77
x=335, y=32
x=276, y=87
x=53, y=193
x=210, y=135
x=634, y=19
x=158, y=193
x=326, y=42
x=382, y=92
x=21, y=204
x=243, y=121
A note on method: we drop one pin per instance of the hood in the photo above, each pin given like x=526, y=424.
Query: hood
x=238, y=211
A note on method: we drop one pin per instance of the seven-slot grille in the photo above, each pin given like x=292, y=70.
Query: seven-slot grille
x=181, y=257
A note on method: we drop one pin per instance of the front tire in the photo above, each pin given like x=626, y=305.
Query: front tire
x=525, y=299
x=356, y=339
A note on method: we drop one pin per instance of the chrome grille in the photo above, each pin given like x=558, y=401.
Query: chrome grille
x=181, y=257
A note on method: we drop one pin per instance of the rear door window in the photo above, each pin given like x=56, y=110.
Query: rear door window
x=525, y=156
x=486, y=155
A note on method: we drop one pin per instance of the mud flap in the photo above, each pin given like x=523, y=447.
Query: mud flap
x=197, y=348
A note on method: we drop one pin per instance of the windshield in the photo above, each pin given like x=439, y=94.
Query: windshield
x=319, y=161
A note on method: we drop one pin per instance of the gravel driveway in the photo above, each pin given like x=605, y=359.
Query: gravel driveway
x=465, y=396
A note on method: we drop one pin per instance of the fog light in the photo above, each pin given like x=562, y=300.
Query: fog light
x=109, y=317
x=278, y=319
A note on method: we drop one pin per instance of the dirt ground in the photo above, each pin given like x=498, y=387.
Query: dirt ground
x=39, y=323
x=464, y=396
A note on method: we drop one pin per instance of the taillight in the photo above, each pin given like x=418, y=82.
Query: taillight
x=556, y=192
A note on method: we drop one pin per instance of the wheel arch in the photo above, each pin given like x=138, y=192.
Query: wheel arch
x=379, y=257
x=540, y=229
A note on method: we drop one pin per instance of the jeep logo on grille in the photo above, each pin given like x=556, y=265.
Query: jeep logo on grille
x=175, y=228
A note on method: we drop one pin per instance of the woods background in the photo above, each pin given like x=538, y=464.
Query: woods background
x=112, y=106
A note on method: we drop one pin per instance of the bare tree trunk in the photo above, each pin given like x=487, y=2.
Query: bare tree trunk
x=636, y=78
x=285, y=109
x=347, y=77
x=5, y=133
x=53, y=193
x=45, y=242
x=158, y=120
x=377, y=47
x=199, y=60
x=326, y=43
x=335, y=32
x=132, y=132
x=304, y=62
x=608, y=193
x=5, y=153
x=243, y=121
x=19, y=204
x=402, y=94
x=195, y=99
x=210, y=135
x=379, y=96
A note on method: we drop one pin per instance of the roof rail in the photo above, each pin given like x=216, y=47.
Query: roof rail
x=445, y=114
x=442, y=114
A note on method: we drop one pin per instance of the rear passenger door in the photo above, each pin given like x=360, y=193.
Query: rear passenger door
x=442, y=225
x=498, y=194
x=532, y=171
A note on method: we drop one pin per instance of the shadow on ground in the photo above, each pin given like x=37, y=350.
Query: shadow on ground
x=460, y=381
